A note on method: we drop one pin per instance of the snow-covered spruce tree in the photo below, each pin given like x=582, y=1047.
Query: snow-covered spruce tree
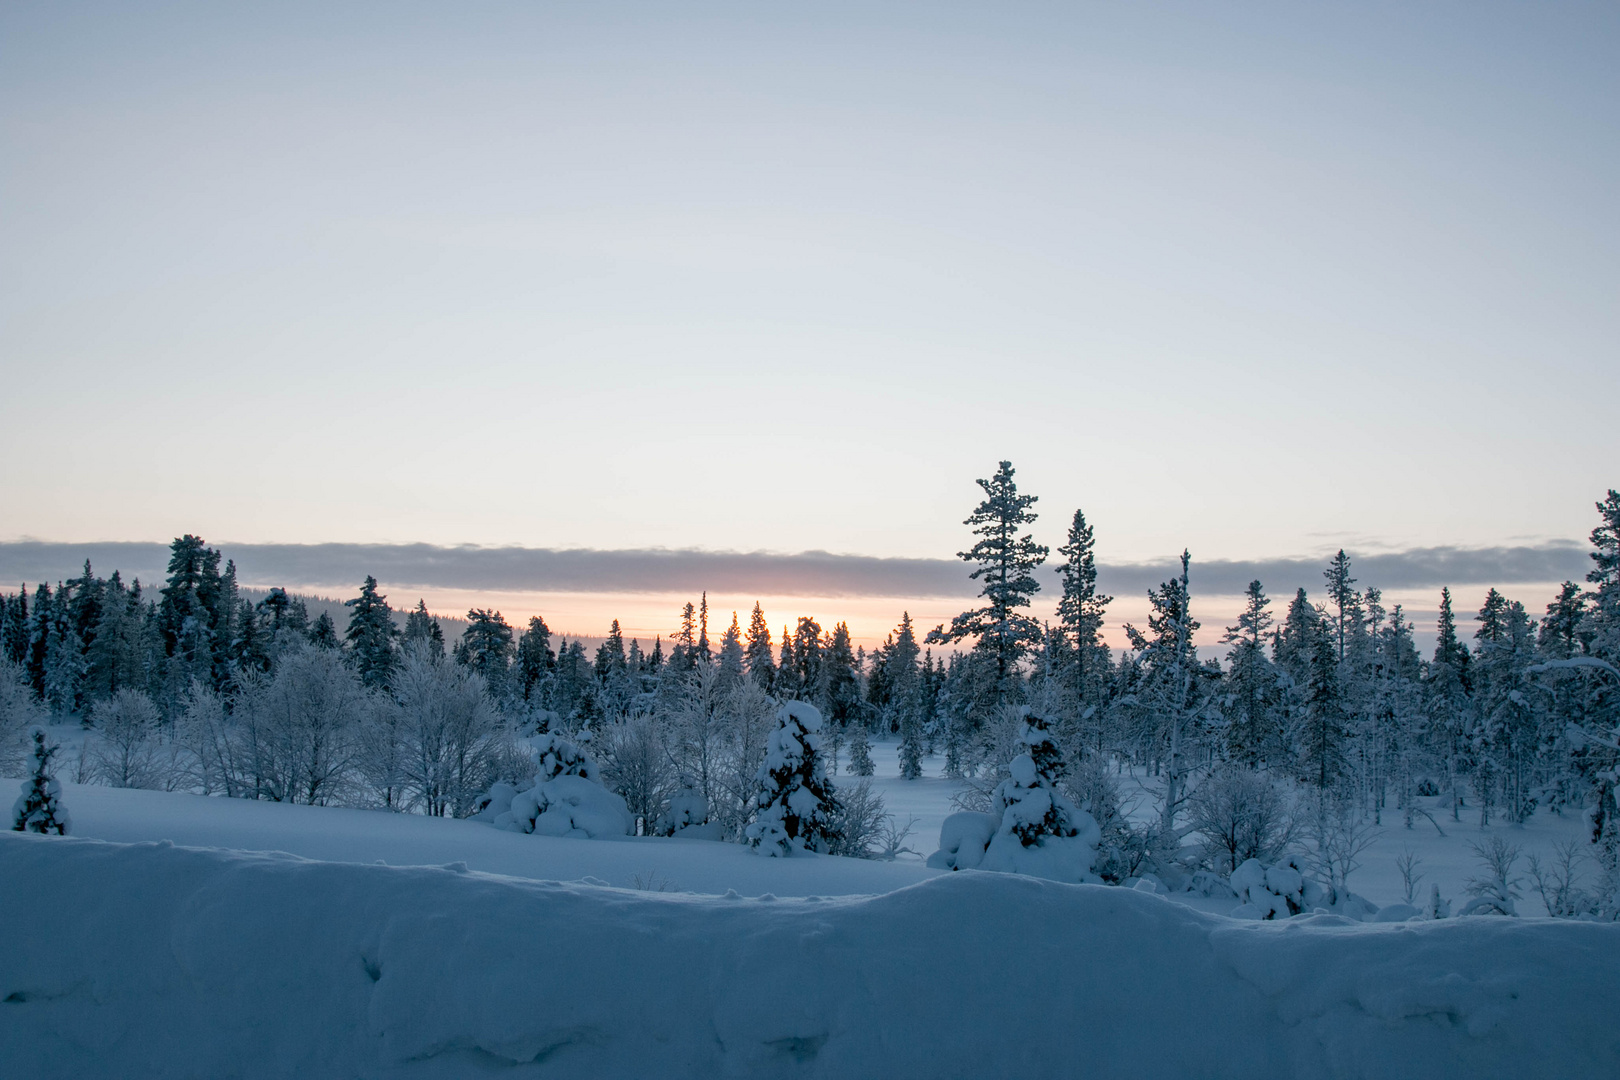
x=860, y=749
x=1006, y=565
x=1175, y=687
x=371, y=635
x=1032, y=827
x=1254, y=734
x=798, y=808
x=1080, y=617
x=565, y=798
x=757, y=653
x=39, y=808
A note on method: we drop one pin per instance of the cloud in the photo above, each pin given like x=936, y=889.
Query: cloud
x=809, y=573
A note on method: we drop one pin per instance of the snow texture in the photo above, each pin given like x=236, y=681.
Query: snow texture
x=158, y=961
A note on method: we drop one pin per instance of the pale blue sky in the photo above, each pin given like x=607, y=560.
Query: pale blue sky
x=1259, y=280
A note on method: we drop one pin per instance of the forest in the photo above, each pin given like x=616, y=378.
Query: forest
x=1321, y=702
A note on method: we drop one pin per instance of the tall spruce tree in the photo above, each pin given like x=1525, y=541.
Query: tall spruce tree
x=422, y=630
x=1253, y=734
x=757, y=653
x=1080, y=615
x=486, y=646
x=1006, y=560
x=535, y=661
x=371, y=635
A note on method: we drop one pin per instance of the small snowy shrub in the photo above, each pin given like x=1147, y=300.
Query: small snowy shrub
x=798, y=808
x=1031, y=827
x=563, y=799
x=39, y=808
x=1241, y=814
x=687, y=814
x=568, y=806
x=861, y=820
x=1495, y=892
x=1285, y=889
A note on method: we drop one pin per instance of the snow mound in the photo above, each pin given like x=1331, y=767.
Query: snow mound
x=568, y=806
x=150, y=960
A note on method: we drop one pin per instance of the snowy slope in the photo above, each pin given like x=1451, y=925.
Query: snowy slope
x=151, y=960
x=368, y=836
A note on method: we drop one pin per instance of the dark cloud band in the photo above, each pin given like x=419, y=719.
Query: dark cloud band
x=810, y=573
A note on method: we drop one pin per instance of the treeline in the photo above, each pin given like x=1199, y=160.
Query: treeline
x=1325, y=693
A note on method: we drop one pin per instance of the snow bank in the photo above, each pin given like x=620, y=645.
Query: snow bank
x=150, y=960
x=127, y=815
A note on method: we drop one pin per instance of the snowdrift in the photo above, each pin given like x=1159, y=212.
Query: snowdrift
x=149, y=960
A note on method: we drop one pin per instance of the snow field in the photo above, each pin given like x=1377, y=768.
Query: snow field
x=150, y=960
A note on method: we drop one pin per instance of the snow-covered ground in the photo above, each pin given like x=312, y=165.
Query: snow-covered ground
x=475, y=950
x=150, y=960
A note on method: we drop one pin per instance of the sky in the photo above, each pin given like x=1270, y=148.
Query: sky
x=1260, y=281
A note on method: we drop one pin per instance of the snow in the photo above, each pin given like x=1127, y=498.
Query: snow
x=367, y=836
x=150, y=960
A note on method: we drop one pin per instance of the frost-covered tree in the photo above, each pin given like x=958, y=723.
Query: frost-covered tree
x=18, y=714
x=39, y=808
x=447, y=729
x=636, y=765
x=298, y=727
x=126, y=749
x=1006, y=559
x=798, y=807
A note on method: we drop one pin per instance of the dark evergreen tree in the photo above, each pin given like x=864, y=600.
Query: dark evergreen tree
x=422, y=630
x=486, y=646
x=14, y=628
x=1343, y=596
x=1561, y=631
x=372, y=635
x=1006, y=564
x=703, y=652
x=757, y=651
x=787, y=683
x=323, y=634
x=535, y=662
x=1254, y=733
x=1080, y=619
x=189, y=615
